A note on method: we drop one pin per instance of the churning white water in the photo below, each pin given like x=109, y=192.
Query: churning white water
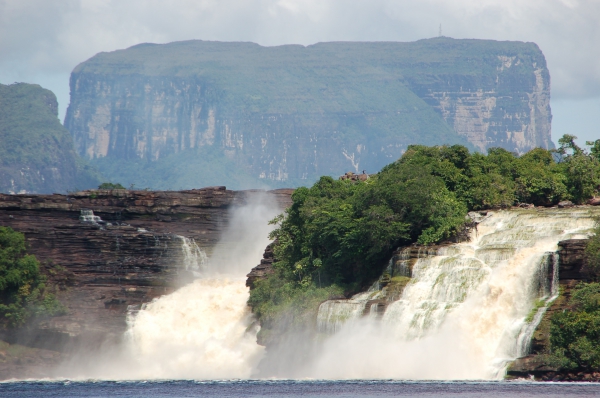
x=465, y=312
x=468, y=309
x=205, y=329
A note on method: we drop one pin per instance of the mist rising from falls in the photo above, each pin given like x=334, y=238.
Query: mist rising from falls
x=463, y=315
x=466, y=312
x=204, y=330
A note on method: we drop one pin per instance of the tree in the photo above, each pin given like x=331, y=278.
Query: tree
x=23, y=292
x=110, y=185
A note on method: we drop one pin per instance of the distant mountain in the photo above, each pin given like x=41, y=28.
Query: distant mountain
x=194, y=113
x=36, y=152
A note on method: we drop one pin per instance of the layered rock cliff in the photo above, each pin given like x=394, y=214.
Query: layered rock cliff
x=132, y=255
x=573, y=270
x=36, y=151
x=292, y=113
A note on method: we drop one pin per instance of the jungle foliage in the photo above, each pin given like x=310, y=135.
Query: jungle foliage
x=110, y=185
x=341, y=233
x=23, y=291
x=574, y=333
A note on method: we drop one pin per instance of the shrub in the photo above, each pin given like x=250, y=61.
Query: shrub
x=574, y=333
x=23, y=292
x=110, y=185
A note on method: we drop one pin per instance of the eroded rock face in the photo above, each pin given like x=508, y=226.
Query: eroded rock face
x=265, y=109
x=103, y=269
x=512, y=112
x=262, y=270
x=572, y=260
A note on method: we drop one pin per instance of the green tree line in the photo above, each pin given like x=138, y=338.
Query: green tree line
x=338, y=234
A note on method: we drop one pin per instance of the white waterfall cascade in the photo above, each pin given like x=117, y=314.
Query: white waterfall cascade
x=468, y=309
x=193, y=257
x=204, y=330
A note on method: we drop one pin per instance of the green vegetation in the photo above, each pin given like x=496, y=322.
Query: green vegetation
x=36, y=151
x=574, y=333
x=110, y=185
x=592, y=253
x=285, y=305
x=23, y=292
x=338, y=234
x=539, y=303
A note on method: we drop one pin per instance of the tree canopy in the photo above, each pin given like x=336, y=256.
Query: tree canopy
x=341, y=233
x=23, y=292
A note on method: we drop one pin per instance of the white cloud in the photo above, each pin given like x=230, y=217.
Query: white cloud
x=39, y=38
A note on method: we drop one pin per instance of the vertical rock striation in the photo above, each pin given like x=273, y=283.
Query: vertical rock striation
x=293, y=113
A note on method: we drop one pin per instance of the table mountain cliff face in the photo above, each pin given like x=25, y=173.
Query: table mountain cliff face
x=36, y=151
x=135, y=255
x=292, y=113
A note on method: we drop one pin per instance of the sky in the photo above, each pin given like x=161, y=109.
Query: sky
x=42, y=41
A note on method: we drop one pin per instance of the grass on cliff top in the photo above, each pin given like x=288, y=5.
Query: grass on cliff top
x=329, y=77
x=440, y=55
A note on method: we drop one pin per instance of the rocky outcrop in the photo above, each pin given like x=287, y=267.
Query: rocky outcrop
x=262, y=270
x=572, y=261
x=102, y=270
x=293, y=113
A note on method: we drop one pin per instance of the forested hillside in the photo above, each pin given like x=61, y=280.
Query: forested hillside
x=36, y=152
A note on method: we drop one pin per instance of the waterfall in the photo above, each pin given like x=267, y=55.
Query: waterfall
x=205, y=329
x=87, y=216
x=333, y=314
x=193, y=258
x=468, y=310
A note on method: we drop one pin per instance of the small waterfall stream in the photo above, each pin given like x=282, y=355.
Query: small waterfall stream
x=469, y=308
x=193, y=257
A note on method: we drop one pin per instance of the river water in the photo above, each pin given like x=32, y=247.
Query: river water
x=290, y=388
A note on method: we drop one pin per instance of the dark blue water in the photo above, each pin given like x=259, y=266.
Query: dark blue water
x=339, y=389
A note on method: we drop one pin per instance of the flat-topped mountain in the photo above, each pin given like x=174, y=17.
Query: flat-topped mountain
x=36, y=151
x=198, y=113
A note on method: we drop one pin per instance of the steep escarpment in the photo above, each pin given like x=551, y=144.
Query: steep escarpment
x=134, y=253
x=292, y=113
x=36, y=151
x=506, y=103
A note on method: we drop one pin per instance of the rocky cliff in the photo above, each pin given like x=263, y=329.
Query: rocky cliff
x=36, y=151
x=103, y=268
x=572, y=270
x=292, y=113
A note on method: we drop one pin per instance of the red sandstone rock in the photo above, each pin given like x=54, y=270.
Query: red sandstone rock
x=264, y=269
x=594, y=201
